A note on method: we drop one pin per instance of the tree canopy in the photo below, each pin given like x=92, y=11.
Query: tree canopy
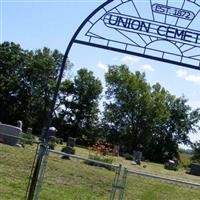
x=27, y=82
x=136, y=115
x=145, y=118
x=79, y=106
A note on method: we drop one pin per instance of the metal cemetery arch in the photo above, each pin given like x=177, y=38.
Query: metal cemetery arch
x=185, y=39
x=162, y=30
x=148, y=30
x=183, y=36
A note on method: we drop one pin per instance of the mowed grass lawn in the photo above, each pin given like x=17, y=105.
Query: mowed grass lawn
x=75, y=180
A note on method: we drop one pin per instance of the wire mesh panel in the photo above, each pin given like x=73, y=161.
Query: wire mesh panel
x=145, y=187
x=16, y=163
x=75, y=179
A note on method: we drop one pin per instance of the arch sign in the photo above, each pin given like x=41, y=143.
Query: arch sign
x=163, y=30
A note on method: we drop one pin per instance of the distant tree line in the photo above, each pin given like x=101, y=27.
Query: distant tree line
x=136, y=115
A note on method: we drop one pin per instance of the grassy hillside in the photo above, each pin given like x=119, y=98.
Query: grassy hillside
x=74, y=180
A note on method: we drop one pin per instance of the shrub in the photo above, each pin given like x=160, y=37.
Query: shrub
x=171, y=165
x=105, y=159
x=128, y=156
x=98, y=157
x=52, y=142
x=27, y=138
x=60, y=141
x=100, y=152
x=185, y=160
x=68, y=149
x=103, y=149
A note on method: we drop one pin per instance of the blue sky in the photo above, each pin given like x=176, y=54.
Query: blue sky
x=35, y=24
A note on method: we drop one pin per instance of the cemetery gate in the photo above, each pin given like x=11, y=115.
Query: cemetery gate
x=168, y=31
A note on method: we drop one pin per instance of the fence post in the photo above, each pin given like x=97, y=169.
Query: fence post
x=123, y=184
x=38, y=172
x=115, y=182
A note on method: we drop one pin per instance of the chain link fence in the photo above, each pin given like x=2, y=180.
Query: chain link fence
x=143, y=186
x=77, y=177
x=16, y=166
x=73, y=178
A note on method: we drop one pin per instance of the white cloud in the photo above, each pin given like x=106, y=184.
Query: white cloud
x=130, y=59
x=194, y=103
x=181, y=73
x=115, y=58
x=193, y=78
x=188, y=77
x=148, y=68
x=102, y=66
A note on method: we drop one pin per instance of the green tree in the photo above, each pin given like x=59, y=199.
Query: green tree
x=80, y=100
x=141, y=117
x=13, y=60
x=40, y=82
x=126, y=115
x=155, y=149
x=27, y=82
